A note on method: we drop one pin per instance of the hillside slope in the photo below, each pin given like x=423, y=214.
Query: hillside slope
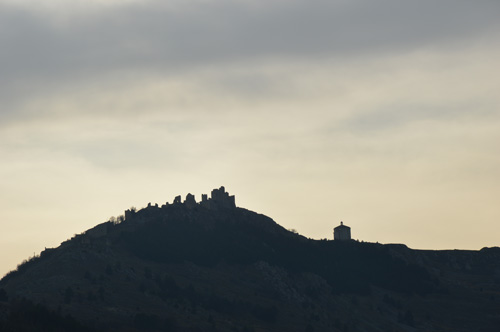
x=211, y=266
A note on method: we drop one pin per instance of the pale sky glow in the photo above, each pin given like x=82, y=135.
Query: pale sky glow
x=385, y=115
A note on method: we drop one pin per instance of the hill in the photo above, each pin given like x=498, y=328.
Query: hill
x=211, y=266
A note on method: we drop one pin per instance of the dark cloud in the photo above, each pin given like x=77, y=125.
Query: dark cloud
x=156, y=37
x=42, y=51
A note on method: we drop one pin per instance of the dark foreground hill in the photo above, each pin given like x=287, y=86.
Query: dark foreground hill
x=211, y=266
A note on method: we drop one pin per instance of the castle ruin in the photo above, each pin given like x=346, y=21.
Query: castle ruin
x=219, y=199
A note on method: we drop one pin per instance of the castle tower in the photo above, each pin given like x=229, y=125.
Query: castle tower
x=190, y=201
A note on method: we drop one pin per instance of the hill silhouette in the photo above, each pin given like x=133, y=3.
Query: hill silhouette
x=212, y=266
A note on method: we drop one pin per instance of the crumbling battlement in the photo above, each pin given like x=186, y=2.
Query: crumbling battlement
x=190, y=201
x=219, y=199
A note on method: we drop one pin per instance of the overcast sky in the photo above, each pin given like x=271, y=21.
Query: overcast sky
x=384, y=114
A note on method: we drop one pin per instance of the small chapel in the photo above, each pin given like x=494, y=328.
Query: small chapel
x=342, y=232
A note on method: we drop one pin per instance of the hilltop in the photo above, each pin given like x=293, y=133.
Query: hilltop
x=212, y=266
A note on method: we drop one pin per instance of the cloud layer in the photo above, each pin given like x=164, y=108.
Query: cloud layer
x=44, y=45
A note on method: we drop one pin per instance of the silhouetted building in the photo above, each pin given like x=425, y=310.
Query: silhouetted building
x=129, y=214
x=222, y=198
x=219, y=198
x=190, y=201
x=342, y=232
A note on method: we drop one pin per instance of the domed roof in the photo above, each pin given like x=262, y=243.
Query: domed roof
x=342, y=226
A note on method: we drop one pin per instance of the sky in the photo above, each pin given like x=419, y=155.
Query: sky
x=383, y=114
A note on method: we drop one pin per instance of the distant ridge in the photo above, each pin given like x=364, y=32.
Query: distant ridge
x=212, y=266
